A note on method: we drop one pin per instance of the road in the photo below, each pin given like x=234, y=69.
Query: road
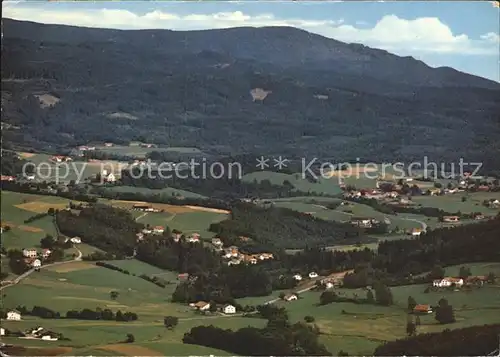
x=29, y=272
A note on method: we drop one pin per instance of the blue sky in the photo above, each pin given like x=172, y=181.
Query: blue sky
x=462, y=35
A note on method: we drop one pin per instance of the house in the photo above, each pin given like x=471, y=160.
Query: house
x=36, y=263
x=483, y=188
x=30, y=253
x=231, y=252
x=158, y=229
x=147, y=231
x=109, y=177
x=202, y=306
x=329, y=285
x=446, y=282
x=49, y=337
x=451, y=219
x=362, y=222
x=60, y=158
x=297, y=277
x=217, y=242
x=8, y=178
x=194, y=238
x=2, y=331
x=183, y=276
x=234, y=262
x=478, y=217
x=249, y=259
x=415, y=232
x=434, y=192
x=14, y=315
x=141, y=207
x=108, y=144
x=34, y=331
x=139, y=237
x=46, y=253
x=76, y=240
x=30, y=177
x=290, y=297
x=229, y=309
x=313, y=275
x=422, y=309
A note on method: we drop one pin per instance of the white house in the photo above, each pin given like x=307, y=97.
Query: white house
x=14, y=315
x=416, y=232
x=30, y=253
x=229, y=309
x=30, y=177
x=36, y=263
x=76, y=240
x=49, y=338
x=234, y=262
x=313, y=275
x=110, y=178
x=297, y=277
x=194, y=238
x=329, y=285
x=446, y=282
x=147, y=231
x=46, y=253
x=290, y=297
x=2, y=331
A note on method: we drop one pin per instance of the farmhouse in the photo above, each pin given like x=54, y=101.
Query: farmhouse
x=46, y=253
x=231, y=252
x=2, y=331
x=229, y=309
x=476, y=280
x=297, y=277
x=290, y=297
x=33, y=262
x=14, y=315
x=478, y=216
x=183, y=276
x=265, y=256
x=141, y=206
x=202, y=306
x=313, y=275
x=60, y=158
x=415, y=232
x=147, y=231
x=329, y=285
x=108, y=144
x=446, y=282
x=363, y=222
x=158, y=230
x=451, y=219
x=422, y=309
x=194, y=238
x=30, y=253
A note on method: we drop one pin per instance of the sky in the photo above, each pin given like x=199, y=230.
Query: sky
x=463, y=35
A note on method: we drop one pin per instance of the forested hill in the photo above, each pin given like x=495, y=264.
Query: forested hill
x=320, y=97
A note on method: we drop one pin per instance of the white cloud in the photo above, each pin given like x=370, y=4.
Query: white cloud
x=414, y=37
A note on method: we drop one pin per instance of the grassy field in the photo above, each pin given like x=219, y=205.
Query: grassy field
x=362, y=327
x=188, y=219
x=325, y=186
x=83, y=285
x=453, y=202
x=17, y=207
x=47, y=170
x=167, y=192
x=357, y=329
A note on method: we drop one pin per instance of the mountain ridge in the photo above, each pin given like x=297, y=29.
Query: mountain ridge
x=201, y=95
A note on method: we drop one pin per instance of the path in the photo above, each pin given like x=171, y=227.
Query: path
x=141, y=216
x=29, y=272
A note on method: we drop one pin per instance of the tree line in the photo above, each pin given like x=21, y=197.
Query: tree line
x=469, y=341
x=84, y=314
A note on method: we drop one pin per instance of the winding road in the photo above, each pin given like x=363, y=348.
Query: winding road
x=29, y=272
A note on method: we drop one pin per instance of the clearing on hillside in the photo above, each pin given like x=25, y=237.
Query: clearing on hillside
x=40, y=206
x=69, y=267
x=47, y=100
